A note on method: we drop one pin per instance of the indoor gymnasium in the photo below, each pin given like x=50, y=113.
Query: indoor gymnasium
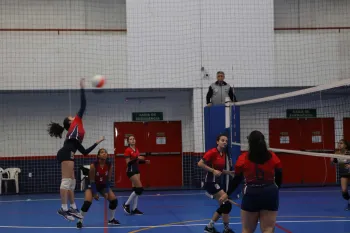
x=170, y=116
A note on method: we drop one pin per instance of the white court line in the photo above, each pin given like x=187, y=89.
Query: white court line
x=171, y=225
x=165, y=195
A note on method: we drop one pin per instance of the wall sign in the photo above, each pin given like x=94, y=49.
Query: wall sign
x=147, y=116
x=301, y=113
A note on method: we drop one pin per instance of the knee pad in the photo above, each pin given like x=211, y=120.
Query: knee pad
x=113, y=204
x=346, y=195
x=86, y=206
x=225, y=208
x=73, y=183
x=65, y=183
x=138, y=191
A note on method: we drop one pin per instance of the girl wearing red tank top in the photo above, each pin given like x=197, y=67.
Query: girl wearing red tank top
x=65, y=156
x=133, y=159
x=100, y=176
x=262, y=172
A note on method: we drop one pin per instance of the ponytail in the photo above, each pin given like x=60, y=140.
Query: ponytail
x=55, y=130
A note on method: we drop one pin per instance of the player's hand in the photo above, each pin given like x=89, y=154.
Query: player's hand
x=210, y=104
x=106, y=196
x=147, y=161
x=82, y=83
x=347, y=166
x=96, y=197
x=223, y=198
x=217, y=173
x=101, y=140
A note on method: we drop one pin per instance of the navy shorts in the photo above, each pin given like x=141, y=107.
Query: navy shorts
x=212, y=187
x=100, y=188
x=257, y=198
x=65, y=155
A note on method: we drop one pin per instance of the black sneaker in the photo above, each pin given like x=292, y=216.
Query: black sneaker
x=137, y=212
x=210, y=230
x=65, y=214
x=113, y=222
x=79, y=225
x=126, y=209
x=228, y=230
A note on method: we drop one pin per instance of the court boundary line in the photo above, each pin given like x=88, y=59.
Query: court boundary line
x=146, y=195
x=170, y=225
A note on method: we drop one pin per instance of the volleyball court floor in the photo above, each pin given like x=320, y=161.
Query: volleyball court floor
x=303, y=210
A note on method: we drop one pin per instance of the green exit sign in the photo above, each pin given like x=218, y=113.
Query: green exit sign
x=147, y=116
x=301, y=113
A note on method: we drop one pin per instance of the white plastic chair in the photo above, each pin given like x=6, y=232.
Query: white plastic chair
x=1, y=172
x=82, y=178
x=12, y=174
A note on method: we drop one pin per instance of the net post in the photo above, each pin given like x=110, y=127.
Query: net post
x=229, y=134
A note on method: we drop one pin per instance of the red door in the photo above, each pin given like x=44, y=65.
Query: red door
x=346, y=129
x=285, y=134
x=313, y=134
x=124, y=129
x=318, y=135
x=165, y=142
x=161, y=142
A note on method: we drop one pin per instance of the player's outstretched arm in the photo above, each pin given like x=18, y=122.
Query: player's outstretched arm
x=82, y=99
x=92, y=181
x=87, y=151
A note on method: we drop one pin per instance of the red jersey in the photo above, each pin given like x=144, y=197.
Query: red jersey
x=214, y=159
x=101, y=173
x=257, y=173
x=133, y=155
x=76, y=129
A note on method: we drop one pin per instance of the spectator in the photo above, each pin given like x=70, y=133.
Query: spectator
x=219, y=90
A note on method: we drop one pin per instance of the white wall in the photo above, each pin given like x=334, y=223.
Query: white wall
x=24, y=117
x=168, y=42
x=48, y=60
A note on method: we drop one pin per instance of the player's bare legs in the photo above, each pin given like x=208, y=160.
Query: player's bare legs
x=73, y=210
x=67, y=169
x=113, y=203
x=137, y=191
x=224, y=211
x=85, y=207
x=267, y=221
x=249, y=221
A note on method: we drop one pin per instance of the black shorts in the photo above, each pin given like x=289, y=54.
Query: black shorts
x=101, y=189
x=344, y=175
x=65, y=155
x=212, y=187
x=257, y=198
x=130, y=174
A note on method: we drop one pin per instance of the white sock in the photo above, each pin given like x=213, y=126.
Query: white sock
x=64, y=207
x=111, y=214
x=73, y=205
x=83, y=214
x=134, y=205
x=131, y=197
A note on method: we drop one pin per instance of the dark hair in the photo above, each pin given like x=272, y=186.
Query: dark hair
x=56, y=130
x=219, y=136
x=258, y=152
x=220, y=72
x=99, y=151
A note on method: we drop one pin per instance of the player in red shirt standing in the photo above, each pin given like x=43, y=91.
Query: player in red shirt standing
x=133, y=159
x=100, y=175
x=262, y=171
x=72, y=143
x=214, y=162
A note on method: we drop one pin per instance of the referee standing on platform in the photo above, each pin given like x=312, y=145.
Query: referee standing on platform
x=219, y=90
